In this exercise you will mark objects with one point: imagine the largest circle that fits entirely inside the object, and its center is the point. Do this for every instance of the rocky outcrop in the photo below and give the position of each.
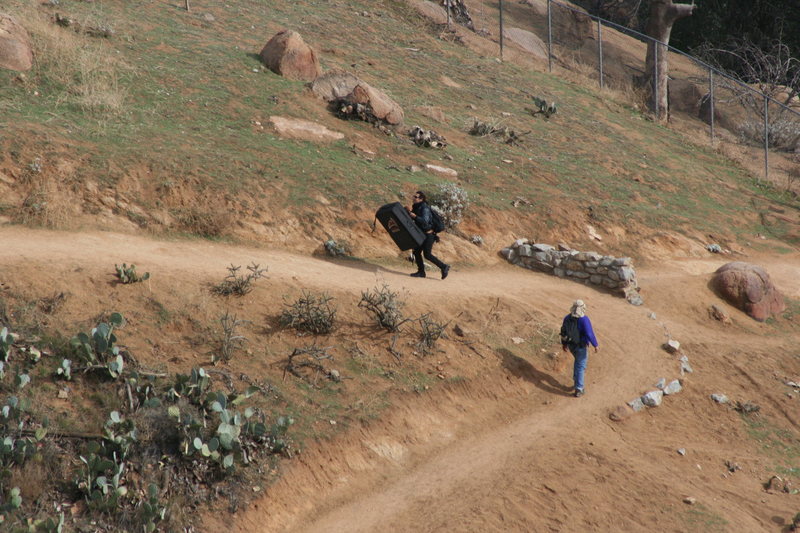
(16, 52)
(342, 86)
(749, 288)
(591, 268)
(288, 55)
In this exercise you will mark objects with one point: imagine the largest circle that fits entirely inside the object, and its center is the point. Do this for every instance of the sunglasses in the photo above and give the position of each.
(417, 196)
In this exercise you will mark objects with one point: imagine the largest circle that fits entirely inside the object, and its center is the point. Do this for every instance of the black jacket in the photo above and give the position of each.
(424, 218)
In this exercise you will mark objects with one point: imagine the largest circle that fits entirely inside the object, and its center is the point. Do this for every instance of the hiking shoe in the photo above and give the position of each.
(419, 274)
(445, 271)
(578, 393)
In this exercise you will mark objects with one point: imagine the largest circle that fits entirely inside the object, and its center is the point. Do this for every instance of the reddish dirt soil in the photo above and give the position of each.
(504, 447)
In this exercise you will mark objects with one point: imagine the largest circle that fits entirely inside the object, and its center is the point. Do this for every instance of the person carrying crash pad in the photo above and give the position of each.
(576, 335)
(422, 215)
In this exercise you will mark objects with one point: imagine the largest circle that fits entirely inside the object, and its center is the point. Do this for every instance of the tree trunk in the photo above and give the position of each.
(663, 14)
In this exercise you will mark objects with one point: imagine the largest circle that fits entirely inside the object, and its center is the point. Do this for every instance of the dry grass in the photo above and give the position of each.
(81, 69)
(48, 204)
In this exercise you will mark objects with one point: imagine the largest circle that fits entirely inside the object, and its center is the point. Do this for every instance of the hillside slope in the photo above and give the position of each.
(153, 146)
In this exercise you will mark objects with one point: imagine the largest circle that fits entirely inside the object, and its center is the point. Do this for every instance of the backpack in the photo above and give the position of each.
(570, 332)
(437, 224)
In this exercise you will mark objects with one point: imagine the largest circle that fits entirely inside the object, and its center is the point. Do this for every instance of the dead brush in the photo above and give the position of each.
(310, 313)
(87, 73)
(239, 284)
(207, 223)
(504, 133)
(430, 332)
(306, 363)
(385, 306)
(230, 341)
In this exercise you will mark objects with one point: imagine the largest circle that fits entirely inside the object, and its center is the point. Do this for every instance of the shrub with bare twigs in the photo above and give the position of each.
(385, 306)
(239, 284)
(230, 341)
(306, 363)
(310, 313)
(431, 331)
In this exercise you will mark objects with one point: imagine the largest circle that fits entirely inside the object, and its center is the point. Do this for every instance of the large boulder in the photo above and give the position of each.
(341, 85)
(16, 52)
(288, 55)
(528, 41)
(749, 288)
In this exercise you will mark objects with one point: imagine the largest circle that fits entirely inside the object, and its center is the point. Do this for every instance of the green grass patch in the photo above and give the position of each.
(779, 444)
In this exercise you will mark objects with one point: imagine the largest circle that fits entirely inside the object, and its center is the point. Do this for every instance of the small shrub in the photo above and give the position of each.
(127, 274)
(431, 331)
(230, 341)
(385, 306)
(451, 201)
(239, 284)
(308, 358)
(783, 134)
(543, 107)
(313, 314)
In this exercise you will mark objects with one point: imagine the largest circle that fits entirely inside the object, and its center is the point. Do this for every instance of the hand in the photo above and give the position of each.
(596, 349)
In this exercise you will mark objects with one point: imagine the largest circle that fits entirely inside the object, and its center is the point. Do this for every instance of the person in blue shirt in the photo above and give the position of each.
(420, 211)
(579, 350)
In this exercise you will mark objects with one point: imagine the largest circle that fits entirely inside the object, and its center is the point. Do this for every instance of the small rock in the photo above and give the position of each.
(732, 467)
(673, 387)
(414, 168)
(517, 340)
(637, 405)
(672, 346)
(442, 171)
(714, 248)
(775, 483)
(593, 233)
(685, 366)
(652, 316)
(621, 413)
(718, 313)
(720, 398)
(661, 384)
(458, 330)
(63, 394)
(652, 398)
(335, 376)
(682, 451)
(208, 17)
(690, 500)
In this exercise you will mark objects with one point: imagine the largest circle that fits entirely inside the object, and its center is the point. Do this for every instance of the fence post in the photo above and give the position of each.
(549, 37)
(501, 30)
(766, 137)
(448, 14)
(655, 78)
(711, 99)
(600, 50)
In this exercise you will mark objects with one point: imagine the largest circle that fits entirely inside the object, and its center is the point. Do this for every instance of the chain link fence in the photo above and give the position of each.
(762, 127)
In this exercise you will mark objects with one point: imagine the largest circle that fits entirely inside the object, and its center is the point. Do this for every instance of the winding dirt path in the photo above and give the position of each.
(512, 452)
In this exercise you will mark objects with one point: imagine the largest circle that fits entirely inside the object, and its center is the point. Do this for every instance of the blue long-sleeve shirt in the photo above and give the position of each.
(587, 333)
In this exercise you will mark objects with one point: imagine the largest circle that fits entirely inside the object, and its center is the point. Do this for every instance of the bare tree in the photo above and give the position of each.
(773, 72)
(663, 14)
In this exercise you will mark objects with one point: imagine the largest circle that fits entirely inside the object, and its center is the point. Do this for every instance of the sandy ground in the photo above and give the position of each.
(508, 449)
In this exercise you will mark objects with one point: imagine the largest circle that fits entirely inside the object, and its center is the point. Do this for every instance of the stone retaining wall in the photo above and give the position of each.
(613, 273)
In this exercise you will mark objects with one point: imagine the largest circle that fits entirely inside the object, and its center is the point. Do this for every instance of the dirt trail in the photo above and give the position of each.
(513, 452)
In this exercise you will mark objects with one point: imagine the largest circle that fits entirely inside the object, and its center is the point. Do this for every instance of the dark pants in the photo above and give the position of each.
(425, 249)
